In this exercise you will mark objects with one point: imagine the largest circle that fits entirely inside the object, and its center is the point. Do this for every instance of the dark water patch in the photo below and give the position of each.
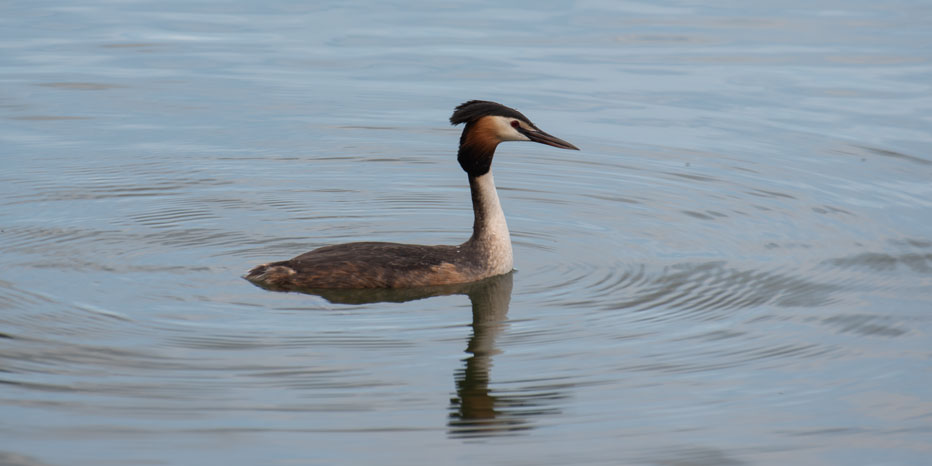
(864, 324)
(253, 342)
(370, 127)
(716, 335)
(129, 45)
(885, 262)
(694, 177)
(868, 151)
(768, 193)
(613, 198)
(8, 458)
(788, 246)
(913, 242)
(38, 387)
(827, 431)
(827, 209)
(50, 117)
(82, 86)
(707, 215)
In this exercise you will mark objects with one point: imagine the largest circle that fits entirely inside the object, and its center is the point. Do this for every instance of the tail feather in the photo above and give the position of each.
(271, 274)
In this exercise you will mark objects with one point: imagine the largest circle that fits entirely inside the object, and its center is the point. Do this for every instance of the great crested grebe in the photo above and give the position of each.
(392, 265)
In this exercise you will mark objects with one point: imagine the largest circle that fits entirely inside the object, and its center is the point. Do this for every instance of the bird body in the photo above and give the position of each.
(487, 253)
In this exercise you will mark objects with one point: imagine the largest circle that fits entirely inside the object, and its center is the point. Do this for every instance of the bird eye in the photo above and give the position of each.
(515, 124)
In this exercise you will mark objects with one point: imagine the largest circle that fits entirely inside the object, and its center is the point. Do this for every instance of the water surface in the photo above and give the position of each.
(736, 268)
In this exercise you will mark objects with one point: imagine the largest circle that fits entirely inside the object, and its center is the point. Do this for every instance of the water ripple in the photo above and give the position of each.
(698, 290)
(883, 262)
(252, 342)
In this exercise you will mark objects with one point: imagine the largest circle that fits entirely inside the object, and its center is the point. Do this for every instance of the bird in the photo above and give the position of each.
(487, 253)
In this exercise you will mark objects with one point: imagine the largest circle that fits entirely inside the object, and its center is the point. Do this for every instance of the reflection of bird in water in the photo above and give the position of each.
(487, 253)
(476, 410)
(474, 404)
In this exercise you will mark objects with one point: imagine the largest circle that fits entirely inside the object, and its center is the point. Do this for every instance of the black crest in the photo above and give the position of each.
(471, 111)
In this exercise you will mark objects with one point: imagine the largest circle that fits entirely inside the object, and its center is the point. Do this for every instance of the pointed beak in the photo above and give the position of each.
(544, 138)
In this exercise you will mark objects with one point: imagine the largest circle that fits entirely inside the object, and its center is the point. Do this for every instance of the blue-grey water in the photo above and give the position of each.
(735, 269)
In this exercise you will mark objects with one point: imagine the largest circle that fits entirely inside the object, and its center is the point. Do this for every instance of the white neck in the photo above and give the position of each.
(490, 231)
